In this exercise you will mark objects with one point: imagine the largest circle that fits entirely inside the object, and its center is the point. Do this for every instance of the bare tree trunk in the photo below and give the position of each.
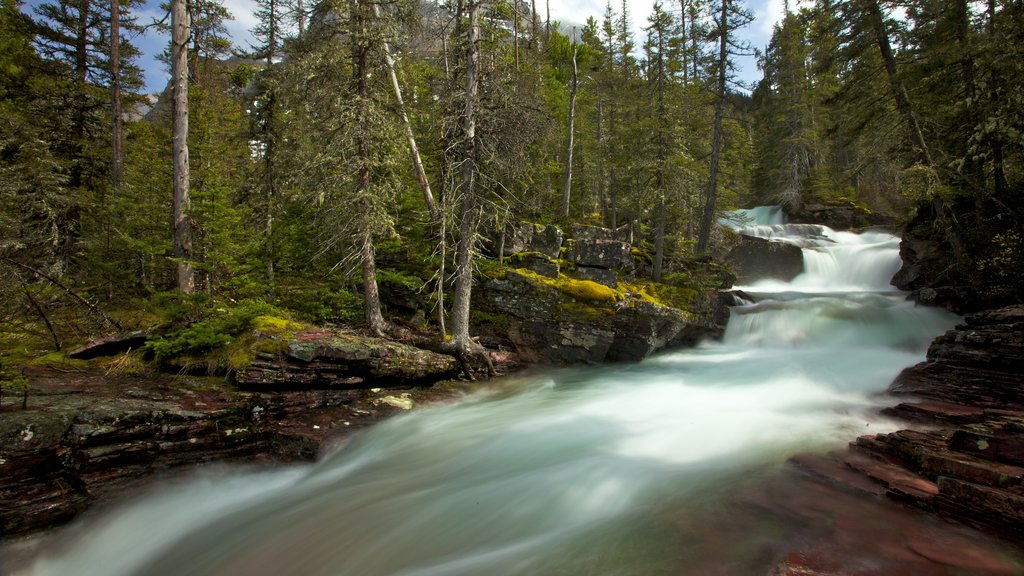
(547, 22)
(179, 73)
(117, 119)
(515, 31)
(461, 344)
(708, 216)
(533, 24)
(567, 188)
(468, 213)
(414, 152)
(360, 51)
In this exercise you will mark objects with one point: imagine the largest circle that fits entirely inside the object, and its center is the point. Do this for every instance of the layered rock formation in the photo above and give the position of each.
(964, 456)
(87, 436)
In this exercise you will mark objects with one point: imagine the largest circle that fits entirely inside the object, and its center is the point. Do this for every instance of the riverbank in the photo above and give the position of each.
(961, 456)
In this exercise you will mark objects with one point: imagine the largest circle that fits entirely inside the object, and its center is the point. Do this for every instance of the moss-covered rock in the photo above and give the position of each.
(320, 359)
(571, 321)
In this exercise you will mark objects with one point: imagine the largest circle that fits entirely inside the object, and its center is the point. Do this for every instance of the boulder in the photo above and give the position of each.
(524, 237)
(840, 216)
(325, 360)
(547, 240)
(759, 259)
(600, 275)
(542, 266)
(601, 253)
(568, 321)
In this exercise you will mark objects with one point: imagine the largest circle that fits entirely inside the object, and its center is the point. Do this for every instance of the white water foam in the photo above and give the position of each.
(572, 474)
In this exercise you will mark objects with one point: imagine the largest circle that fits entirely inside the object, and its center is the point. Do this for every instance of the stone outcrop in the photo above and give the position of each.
(840, 216)
(324, 360)
(570, 321)
(524, 237)
(759, 259)
(89, 436)
(966, 462)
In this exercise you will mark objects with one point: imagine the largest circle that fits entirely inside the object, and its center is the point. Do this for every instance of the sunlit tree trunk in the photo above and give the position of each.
(567, 188)
(179, 73)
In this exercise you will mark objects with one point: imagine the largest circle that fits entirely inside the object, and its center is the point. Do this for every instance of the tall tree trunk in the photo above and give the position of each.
(659, 236)
(567, 188)
(414, 152)
(461, 343)
(360, 50)
(515, 31)
(533, 24)
(708, 216)
(179, 73)
(117, 119)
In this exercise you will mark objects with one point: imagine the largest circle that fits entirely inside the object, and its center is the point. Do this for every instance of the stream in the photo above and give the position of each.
(675, 465)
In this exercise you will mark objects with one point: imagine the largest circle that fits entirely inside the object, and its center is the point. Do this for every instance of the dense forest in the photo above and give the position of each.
(362, 148)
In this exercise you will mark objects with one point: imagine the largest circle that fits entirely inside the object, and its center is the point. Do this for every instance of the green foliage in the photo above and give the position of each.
(13, 381)
(214, 331)
(324, 305)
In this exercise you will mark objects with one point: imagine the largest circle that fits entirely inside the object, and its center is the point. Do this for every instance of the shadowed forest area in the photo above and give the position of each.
(344, 170)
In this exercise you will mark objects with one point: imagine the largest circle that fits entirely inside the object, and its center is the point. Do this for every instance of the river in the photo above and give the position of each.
(675, 465)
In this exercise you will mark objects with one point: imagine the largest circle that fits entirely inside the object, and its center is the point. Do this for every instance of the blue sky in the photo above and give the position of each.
(766, 14)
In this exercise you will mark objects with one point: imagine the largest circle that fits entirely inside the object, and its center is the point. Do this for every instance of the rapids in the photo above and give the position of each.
(616, 470)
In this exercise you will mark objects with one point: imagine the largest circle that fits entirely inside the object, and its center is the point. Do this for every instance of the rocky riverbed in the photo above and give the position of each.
(961, 456)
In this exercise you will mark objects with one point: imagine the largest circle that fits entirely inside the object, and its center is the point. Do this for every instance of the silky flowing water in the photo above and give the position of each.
(641, 469)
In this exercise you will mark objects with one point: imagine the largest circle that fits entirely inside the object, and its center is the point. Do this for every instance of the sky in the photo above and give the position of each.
(570, 12)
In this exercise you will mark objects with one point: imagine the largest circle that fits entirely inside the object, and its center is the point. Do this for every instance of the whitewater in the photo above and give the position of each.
(613, 470)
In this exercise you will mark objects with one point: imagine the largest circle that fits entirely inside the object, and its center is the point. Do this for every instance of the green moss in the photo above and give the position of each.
(581, 311)
(480, 318)
(56, 360)
(518, 258)
(583, 290)
(639, 254)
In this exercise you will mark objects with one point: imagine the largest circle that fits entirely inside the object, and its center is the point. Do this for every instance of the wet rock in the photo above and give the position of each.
(758, 259)
(110, 346)
(968, 464)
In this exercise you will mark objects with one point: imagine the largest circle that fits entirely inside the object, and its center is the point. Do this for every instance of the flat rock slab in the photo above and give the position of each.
(109, 346)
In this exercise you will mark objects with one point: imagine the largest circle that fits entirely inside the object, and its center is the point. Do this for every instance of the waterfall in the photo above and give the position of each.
(605, 471)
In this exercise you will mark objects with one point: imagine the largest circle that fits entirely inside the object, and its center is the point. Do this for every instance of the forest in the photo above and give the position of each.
(362, 148)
